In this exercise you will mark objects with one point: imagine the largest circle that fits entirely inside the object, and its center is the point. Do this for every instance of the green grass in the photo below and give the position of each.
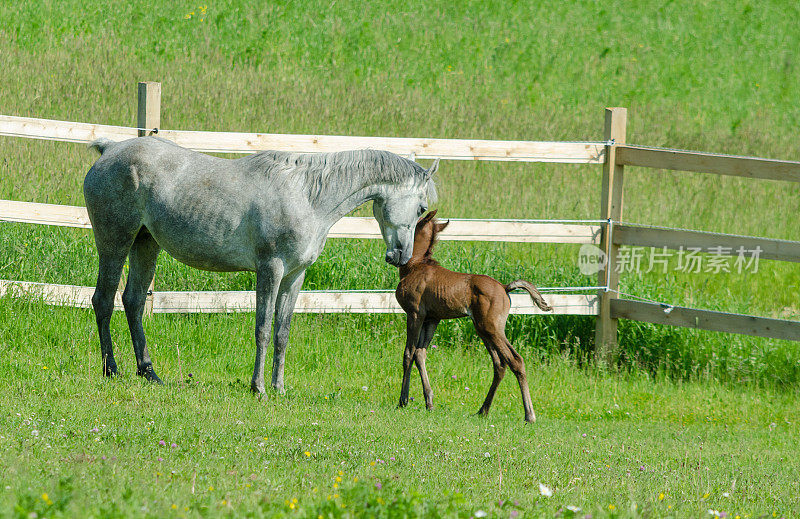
(643, 437)
(708, 75)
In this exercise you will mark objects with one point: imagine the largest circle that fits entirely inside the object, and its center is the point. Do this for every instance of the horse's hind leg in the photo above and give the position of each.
(142, 259)
(103, 303)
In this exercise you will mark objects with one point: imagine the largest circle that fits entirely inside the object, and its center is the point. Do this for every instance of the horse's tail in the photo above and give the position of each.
(528, 287)
(100, 144)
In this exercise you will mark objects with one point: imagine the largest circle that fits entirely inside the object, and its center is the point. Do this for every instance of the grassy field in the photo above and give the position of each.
(690, 415)
(608, 444)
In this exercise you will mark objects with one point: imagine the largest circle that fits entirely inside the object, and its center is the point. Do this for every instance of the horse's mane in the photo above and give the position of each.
(321, 173)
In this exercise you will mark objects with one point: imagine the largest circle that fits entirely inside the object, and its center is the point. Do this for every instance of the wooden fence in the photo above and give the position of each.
(609, 232)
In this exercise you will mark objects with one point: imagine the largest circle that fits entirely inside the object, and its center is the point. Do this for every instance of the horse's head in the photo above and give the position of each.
(397, 213)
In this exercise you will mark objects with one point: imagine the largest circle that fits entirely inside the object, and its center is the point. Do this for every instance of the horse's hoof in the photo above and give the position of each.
(530, 419)
(150, 375)
(109, 367)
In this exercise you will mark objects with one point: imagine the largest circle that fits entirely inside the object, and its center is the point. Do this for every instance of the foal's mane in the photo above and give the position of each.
(428, 256)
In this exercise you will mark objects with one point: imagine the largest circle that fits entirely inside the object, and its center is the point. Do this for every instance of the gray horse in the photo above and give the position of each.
(267, 213)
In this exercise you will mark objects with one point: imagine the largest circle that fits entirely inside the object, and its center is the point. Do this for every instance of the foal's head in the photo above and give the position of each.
(425, 234)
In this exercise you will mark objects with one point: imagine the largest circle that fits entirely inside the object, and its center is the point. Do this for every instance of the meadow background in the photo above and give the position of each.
(689, 421)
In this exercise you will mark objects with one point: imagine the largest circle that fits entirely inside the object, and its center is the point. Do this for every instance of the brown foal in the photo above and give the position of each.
(429, 293)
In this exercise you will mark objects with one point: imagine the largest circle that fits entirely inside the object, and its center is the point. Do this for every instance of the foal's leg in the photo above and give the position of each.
(499, 373)
(413, 326)
(425, 336)
(517, 365)
(268, 278)
(103, 303)
(142, 267)
(287, 298)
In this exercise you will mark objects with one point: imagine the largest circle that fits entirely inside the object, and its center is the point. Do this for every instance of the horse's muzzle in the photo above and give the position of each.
(395, 257)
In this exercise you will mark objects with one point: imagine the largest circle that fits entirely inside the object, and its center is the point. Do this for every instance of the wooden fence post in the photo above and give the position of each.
(148, 118)
(605, 338)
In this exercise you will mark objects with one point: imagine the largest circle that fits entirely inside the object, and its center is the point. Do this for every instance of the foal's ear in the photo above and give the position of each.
(429, 216)
(432, 170)
(441, 226)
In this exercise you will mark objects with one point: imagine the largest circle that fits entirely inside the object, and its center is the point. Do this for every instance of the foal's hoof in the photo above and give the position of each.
(530, 419)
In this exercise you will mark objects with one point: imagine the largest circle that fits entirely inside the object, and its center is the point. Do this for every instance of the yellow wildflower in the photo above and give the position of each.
(46, 499)
(308, 454)
(661, 496)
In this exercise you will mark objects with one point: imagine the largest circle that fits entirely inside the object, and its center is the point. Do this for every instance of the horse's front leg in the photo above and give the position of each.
(413, 327)
(268, 278)
(287, 297)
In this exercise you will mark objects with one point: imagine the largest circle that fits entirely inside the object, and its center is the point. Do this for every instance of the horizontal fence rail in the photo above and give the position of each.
(750, 167)
(350, 227)
(614, 154)
(328, 301)
(705, 319)
(231, 142)
(717, 243)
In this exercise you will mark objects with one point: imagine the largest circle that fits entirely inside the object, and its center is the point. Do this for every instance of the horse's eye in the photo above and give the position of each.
(422, 210)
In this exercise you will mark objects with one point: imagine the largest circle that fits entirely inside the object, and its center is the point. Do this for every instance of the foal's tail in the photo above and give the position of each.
(528, 287)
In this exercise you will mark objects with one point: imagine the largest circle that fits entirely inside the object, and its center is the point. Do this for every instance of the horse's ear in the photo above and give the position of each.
(432, 170)
(441, 226)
